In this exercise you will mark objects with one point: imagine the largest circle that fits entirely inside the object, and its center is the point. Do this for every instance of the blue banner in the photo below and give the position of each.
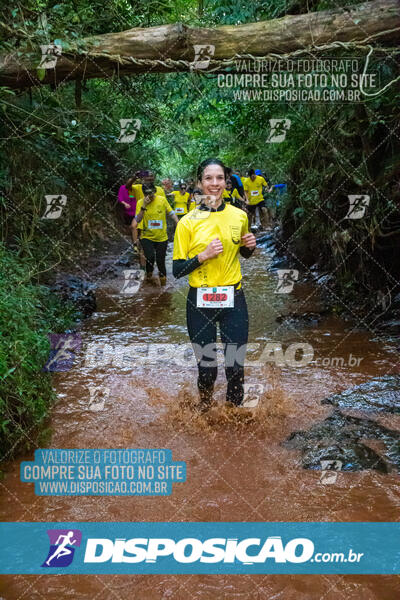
(209, 548)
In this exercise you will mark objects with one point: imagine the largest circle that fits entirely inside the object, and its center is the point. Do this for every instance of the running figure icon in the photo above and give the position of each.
(62, 549)
(63, 543)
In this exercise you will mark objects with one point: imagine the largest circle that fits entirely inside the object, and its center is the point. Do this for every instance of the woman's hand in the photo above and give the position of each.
(213, 249)
(126, 204)
(249, 240)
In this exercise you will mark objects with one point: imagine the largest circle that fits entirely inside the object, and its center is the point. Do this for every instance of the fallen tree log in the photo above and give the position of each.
(169, 48)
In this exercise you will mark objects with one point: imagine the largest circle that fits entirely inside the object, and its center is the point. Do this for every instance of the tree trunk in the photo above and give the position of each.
(115, 53)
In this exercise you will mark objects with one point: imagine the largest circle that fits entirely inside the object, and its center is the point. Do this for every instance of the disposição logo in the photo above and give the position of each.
(62, 547)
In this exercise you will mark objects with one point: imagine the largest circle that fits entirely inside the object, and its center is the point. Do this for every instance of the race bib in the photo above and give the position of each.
(180, 210)
(215, 297)
(155, 224)
(254, 193)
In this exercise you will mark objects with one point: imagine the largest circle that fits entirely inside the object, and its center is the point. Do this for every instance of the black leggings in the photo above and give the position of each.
(234, 329)
(155, 250)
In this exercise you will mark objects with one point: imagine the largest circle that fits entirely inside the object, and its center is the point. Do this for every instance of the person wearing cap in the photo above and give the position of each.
(253, 188)
(151, 217)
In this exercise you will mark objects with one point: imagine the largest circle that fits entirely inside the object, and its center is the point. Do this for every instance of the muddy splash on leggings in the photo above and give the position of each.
(272, 406)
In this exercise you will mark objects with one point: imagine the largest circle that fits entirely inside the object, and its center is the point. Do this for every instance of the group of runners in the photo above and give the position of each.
(213, 220)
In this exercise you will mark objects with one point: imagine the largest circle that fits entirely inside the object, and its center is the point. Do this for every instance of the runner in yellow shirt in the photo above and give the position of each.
(253, 189)
(151, 216)
(136, 190)
(195, 198)
(232, 196)
(207, 245)
(181, 200)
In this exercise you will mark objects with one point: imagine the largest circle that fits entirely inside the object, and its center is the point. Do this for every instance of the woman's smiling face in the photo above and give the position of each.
(213, 181)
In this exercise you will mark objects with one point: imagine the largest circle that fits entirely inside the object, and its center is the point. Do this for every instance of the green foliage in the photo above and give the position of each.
(45, 21)
(236, 12)
(55, 149)
(28, 313)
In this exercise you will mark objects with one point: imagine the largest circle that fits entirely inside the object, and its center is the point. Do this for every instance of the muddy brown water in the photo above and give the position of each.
(236, 471)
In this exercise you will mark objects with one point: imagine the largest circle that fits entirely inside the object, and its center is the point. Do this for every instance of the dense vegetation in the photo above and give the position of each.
(64, 141)
(28, 312)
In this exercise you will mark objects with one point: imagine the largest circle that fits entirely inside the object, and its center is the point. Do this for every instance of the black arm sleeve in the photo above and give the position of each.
(246, 252)
(183, 267)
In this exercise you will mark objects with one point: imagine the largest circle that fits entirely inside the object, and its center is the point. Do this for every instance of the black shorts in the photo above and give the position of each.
(252, 207)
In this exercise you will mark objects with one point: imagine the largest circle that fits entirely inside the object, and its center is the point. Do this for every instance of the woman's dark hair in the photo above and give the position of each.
(129, 182)
(252, 172)
(207, 163)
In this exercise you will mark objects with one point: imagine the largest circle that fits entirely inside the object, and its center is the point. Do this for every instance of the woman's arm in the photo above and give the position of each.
(246, 252)
(140, 214)
(173, 217)
(182, 267)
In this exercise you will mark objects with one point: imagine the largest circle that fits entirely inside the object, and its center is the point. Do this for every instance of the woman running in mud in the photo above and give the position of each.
(207, 245)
